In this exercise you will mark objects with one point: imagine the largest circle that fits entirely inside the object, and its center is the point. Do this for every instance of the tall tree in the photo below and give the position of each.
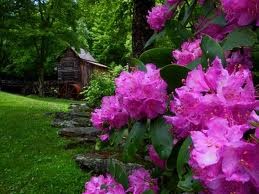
(42, 29)
(140, 29)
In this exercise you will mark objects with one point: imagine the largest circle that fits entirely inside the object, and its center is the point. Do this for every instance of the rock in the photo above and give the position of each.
(99, 163)
(88, 133)
(59, 123)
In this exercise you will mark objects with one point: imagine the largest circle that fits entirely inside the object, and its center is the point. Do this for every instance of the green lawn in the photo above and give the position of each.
(32, 156)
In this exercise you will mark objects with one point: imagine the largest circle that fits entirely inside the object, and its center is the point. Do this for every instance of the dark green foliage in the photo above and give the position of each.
(174, 75)
(134, 141)
(161, 137)
(243, 37)
(101, 84)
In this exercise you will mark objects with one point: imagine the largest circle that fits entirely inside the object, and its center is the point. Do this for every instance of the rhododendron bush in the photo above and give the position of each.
(187, 113)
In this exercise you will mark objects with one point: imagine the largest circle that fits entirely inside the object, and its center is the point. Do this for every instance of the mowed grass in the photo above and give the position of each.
(32, 156)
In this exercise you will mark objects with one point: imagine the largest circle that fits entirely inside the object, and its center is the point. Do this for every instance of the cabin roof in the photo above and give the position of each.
(83, 54)
(86, 56)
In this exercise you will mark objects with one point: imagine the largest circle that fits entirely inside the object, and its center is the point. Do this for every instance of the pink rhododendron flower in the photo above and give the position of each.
(220, 155)
(103, 185)
(214, 93)
(140, 181)
(144, 93)
(104, 137)
(241, 59)
(217, 32)
(208, 143)
(154, 157)
(244, 12)
(110, 115)
(188, 53)
(158, 16)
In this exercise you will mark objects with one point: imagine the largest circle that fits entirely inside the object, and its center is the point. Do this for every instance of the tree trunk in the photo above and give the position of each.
(41, 80)
(140, 29)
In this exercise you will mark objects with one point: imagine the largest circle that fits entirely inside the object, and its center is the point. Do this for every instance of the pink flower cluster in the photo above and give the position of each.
(244, 12)
(215, 107)
(190, 51)
(158, 16)
(154, 157)
(140, 181)
(110, 115)
(214, 93)
(103, 185)
(223, 160)
(144, 93)
(138, 95)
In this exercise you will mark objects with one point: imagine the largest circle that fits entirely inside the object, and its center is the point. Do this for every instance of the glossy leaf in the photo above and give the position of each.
(212, 49)
(161, 137)
(243, 37)
(183, 157)
(138, 64)
(174, 75)
(158, 56)
(118, 172)
(134, 141)
(188, 184)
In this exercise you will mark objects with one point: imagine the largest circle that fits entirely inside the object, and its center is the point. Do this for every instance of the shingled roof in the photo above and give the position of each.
(85, 55)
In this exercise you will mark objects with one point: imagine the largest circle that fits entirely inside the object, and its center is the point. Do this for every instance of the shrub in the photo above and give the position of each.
(101, 84)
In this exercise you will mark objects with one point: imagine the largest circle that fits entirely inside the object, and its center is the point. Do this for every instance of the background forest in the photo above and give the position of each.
(34, 33)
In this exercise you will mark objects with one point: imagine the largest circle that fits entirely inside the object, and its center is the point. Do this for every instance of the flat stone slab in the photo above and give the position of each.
(79, 132)
(99, 163)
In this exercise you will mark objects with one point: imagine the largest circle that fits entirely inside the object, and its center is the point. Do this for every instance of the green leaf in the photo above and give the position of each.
(188, 12)
(172, 160)
(118, 172)
(219, 20)
(134, 141)
(161, 137)
(188, 184)
(138, 64)
(194, 64)
(158, 56)
(211, 49)
(117, 137)
(183, 157)
(153, 38)
(242, 37)
(149, 192)
(173, 75)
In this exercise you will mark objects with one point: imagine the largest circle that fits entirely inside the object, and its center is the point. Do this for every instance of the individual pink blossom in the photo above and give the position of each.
(214, 93)
(154, 157)
(140, 181)
(158, 16)
(144, 93)
(188, 53)
(208, 144)
(241, 59)
(103, 185)
(242, 11)
(110, 115)
(204, 26)
(104, 137)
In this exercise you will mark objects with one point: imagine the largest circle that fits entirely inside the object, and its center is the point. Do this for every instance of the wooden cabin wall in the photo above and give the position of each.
(69, 67)
(86, 72)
